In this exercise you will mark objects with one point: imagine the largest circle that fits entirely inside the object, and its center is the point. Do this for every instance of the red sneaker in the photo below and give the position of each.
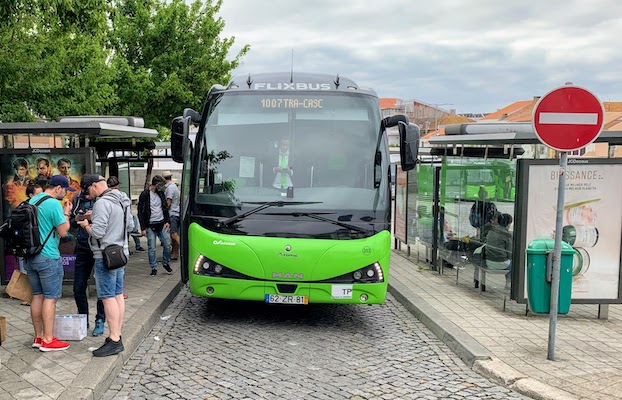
(54, 345)
(37, 343)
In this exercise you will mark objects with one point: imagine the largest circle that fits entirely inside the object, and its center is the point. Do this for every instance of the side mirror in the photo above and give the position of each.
(194, 116)
(394, 120)
(179, 137)
(409, 145)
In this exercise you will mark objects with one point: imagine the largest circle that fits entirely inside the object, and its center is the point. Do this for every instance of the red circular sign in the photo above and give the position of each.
(568, 118)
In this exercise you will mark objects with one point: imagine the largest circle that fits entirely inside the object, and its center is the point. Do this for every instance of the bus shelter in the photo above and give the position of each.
(67, 147)
(444, 208)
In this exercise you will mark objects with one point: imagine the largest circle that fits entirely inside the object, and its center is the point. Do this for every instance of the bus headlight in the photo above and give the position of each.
(200, 263)
(371, 273)
(208, 267)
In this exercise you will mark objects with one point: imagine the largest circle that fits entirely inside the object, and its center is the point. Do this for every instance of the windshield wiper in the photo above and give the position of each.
(263, 206)
(332, 221)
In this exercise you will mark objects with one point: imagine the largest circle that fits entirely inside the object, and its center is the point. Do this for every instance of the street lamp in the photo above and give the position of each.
(436, 113)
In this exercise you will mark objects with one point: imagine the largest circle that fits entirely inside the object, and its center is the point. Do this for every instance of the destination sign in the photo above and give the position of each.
(292, 103)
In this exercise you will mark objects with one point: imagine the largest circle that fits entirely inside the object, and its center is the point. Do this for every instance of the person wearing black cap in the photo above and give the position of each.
(82, 208)
(111, 220)
(154, 221)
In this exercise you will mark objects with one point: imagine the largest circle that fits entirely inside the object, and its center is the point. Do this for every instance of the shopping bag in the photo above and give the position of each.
(19, 286)
(70, 326)
(2, 329)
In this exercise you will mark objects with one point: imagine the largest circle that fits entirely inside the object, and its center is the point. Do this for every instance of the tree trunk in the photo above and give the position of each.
(149, 171)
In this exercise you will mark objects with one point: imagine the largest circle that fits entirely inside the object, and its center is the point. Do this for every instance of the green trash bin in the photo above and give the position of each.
(538, 289)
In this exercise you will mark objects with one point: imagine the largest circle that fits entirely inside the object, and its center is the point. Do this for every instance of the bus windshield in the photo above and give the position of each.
(314, 148)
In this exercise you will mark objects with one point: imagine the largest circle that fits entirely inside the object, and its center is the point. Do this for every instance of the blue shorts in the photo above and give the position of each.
(174, 224)
(45, 276)
(109, 283)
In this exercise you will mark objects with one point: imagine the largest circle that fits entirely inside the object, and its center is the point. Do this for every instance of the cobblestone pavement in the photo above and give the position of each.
(208, 349)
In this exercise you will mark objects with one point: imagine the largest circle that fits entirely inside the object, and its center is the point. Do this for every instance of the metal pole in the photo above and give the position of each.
(557, 254)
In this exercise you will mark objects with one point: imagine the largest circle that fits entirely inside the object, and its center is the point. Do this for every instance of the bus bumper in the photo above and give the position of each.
(364, 293)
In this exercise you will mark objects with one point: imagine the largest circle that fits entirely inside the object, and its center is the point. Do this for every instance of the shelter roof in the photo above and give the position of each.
(503, 133)
(80, 127)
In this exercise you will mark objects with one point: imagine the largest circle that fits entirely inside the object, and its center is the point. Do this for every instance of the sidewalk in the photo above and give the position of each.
(27, 373)
(508, 346)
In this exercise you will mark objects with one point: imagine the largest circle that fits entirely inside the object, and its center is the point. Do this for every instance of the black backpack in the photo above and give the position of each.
(21, 230)
(482, 212)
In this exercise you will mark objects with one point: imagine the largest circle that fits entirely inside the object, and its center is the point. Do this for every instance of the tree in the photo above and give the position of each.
(167, 56)
(52, 59)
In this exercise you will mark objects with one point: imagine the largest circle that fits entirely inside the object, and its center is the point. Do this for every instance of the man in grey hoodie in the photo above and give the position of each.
(111, 220)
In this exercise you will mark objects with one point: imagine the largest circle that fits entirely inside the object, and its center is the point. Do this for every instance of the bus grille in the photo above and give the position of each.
(286, 288)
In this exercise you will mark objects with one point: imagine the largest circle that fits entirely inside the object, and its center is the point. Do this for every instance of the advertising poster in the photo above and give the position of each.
(19, 168)
(592, 221)
(401, 178)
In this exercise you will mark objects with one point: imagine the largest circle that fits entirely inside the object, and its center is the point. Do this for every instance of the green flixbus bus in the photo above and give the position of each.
(286, 190)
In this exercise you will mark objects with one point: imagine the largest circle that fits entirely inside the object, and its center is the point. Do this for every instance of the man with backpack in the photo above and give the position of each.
(45, 269)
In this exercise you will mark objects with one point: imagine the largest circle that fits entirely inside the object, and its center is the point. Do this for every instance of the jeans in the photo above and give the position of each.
(136, 230)
(45, 276)
(151, 242)
(22, 265)
(81, 275)
(109, 282)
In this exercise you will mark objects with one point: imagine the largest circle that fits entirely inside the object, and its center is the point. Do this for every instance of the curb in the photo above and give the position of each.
(465, 347)
(99, 373)
(475, 355)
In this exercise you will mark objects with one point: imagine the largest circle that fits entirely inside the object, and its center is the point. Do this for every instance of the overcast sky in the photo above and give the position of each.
(478, 55)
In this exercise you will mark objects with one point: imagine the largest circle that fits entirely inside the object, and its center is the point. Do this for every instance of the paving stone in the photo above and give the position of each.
(238, 350)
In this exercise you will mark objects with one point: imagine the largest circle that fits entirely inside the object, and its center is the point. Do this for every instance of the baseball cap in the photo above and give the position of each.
(113, 181)
(62, 181)
(88, 180)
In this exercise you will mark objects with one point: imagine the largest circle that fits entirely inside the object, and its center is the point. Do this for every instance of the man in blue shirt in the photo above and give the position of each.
(45, 270)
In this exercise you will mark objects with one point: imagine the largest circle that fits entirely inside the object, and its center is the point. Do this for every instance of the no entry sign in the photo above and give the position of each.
(568, 118)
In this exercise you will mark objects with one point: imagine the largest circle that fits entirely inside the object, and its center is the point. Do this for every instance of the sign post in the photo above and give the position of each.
(565, 119)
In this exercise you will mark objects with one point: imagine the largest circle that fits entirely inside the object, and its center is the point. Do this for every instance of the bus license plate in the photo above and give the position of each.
(281, 299)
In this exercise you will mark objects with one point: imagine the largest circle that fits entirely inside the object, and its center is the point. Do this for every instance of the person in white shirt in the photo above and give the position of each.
(171, 194)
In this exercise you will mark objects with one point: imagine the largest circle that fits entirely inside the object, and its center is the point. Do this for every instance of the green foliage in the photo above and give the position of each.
(174, 48)
(148, 58)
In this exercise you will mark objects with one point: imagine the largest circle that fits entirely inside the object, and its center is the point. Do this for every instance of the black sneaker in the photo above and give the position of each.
(167, 268)
(154, 272)
(109, 348)
(140, 249)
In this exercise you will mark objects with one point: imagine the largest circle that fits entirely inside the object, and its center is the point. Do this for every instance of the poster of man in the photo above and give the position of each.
(44, 169)
(21, 168)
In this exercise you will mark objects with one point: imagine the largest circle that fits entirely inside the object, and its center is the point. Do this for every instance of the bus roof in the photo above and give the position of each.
(298, 81)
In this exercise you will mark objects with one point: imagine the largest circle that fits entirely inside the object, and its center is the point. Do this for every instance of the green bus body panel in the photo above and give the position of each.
(260, 257)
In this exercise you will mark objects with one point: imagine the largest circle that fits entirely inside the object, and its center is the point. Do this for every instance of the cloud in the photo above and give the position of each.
(478, 56)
